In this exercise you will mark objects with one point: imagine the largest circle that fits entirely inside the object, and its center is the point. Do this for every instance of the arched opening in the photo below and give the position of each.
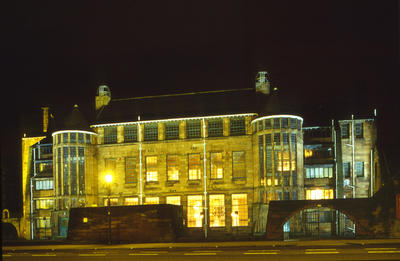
(319, 222)
(8, 231)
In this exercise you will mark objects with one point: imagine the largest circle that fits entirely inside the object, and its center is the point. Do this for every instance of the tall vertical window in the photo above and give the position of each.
(173, 200)
(193, 129)
(172, 130)
(239, 210)
(195, 211)
(150, 131)
(359, 166)
(293, 149)
(59, 172)
(65, 138)
(268, 154)
(130, 170)
(268, 124)
(194, 167)
(217, 210)
(237, 126)
(110, 135)
(152, 201)
(261, 155)
(73, 137)
(73, 171)
(130, 133)
(215, 128)
(359, 130)
(151, 169)
(346, 169)
(172, 167)
(88, 139)
(80, 138)
(345, 130)
(293, 124)
(66, 170)
(238, 164)
(277, 123)
(260, 126)
(216, 165)
(285, 123)
(131, 201)
(81, 169)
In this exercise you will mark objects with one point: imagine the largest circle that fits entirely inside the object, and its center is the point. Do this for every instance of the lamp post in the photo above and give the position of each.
(108, 179)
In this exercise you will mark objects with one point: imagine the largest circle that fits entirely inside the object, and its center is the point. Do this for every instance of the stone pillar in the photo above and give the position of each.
(120, 134)
(161, 131)
(182, 130)
(225, 126)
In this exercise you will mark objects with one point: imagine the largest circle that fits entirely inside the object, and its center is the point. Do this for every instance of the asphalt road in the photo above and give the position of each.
(240, 251)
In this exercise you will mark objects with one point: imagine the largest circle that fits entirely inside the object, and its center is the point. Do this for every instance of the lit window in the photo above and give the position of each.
(173, 200)
(216, 165)
(113, 201)
(316, 194)
(151, 201)
(151, 169)
(131, 201)
(194, 167)
(269, 182)
(239, 164)
(308, 153)
(43, 222)
(239, 210)
(217, 210)
(44, 204)
(172, 168)
(46, 184)
(195, 211)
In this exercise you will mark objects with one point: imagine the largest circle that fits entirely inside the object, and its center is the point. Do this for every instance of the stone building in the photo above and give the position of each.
(221, 155)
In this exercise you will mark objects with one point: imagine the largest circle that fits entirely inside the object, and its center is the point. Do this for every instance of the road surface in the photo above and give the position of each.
(301, 250)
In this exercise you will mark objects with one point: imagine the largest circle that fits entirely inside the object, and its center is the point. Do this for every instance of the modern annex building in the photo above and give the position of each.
(221, 155)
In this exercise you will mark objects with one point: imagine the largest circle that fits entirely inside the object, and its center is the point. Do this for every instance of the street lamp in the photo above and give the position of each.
(109, 179)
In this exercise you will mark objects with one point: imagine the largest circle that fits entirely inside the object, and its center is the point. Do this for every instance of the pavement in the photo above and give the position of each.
(208, 245)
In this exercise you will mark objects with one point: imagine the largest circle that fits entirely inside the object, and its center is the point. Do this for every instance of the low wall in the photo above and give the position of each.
(146, 223)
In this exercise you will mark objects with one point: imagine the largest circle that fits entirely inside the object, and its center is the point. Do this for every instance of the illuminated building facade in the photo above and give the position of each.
(221, 155)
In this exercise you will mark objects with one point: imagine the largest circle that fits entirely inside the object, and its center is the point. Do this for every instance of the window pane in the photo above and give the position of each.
(130, 170)
(172, 168)
(359, 130)
(277, 123)
(239, 164)
(151, 168)
(216, 165)
(130, 133)
(195, 211)
(133, 201)
(359, 169)
(215, 128)
(110, 135)
(239, 210)
(151, 201)
(217, 210)
(194, 167)
(174, 200)
(151, 131)
(172, 130)
(193, 129)
(237, 126)
(345, 130)
(113, 201)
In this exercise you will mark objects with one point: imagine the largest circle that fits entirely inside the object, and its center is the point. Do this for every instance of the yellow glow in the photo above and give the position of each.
(85, 220)
(108, 178)
(316, 194)
(269, 182)
(308, 153)
(286, 161)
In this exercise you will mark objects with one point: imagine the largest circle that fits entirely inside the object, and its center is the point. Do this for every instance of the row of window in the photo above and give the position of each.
(277, 123)
(359, 169)
(44, 204)
(280, 180)
(358, 130)
(278, 195)
(316, 194)
(175, 165)
(72, 137)
(237, 126)
(195, 210)
(319, 172)
(45, 184)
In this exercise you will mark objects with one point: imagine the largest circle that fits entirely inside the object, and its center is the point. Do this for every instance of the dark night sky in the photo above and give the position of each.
(332, 58)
